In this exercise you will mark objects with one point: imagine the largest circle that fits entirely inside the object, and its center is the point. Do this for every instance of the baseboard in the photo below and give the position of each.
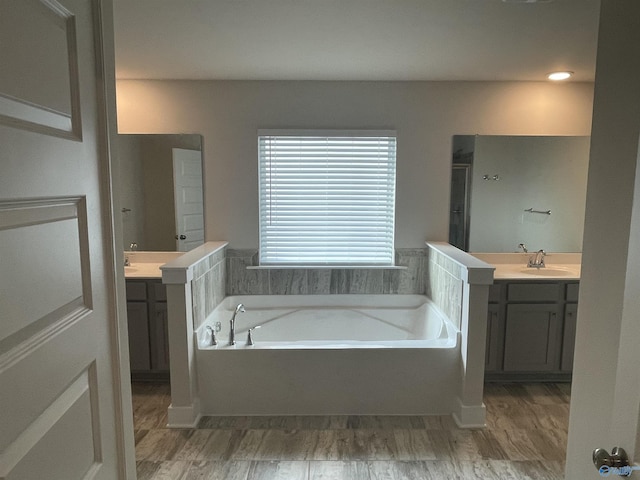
(535, 377)
(184, 417)
(473, 416)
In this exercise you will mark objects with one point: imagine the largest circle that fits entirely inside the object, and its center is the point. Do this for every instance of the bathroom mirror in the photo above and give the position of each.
(161, 191)
(508, 190)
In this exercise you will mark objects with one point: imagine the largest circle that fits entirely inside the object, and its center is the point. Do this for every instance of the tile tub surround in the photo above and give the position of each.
(321, 281)
(208, 286)
(525, 439)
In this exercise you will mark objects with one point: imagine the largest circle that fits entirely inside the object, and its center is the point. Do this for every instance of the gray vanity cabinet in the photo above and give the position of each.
(531, 330)
(568, 339)
(138, 315)
(159, 337)
(148, 329)
(495, 339)
(532, 338)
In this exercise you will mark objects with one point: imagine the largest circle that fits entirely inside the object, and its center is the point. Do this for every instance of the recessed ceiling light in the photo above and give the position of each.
(559, 75)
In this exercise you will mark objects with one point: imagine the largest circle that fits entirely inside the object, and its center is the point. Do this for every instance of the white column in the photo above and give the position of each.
(471, 412)
(185, 405)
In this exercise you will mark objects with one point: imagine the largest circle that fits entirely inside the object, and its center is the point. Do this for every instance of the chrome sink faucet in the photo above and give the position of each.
(537, 260)
(232, 331)
(132, 248)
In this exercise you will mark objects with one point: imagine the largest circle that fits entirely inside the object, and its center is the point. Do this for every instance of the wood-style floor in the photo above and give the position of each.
(525, 438)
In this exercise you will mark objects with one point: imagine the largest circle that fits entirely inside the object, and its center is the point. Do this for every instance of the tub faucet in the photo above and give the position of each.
(537, 260)
(232, 331)
(522, 247)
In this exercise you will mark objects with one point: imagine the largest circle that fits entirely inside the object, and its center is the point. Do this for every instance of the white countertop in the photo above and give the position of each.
(509, 271)
(147, 264)
(143, 270)
(513, 266)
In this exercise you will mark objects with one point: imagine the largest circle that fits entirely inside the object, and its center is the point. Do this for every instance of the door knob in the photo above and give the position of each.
(601, 458)
(181, 237)
(617, 463)
(619, 457)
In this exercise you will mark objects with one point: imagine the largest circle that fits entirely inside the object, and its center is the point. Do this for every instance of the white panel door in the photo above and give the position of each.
(187, 182)
(58, 363)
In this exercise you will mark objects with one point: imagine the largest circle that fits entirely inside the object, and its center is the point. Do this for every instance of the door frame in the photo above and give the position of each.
(466, 214)
(105, 61)
(605, 401)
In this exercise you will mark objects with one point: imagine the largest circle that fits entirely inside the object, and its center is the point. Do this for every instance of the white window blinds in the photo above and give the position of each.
(327, 199)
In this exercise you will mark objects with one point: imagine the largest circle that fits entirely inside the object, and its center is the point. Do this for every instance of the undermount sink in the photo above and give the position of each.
(546, 272)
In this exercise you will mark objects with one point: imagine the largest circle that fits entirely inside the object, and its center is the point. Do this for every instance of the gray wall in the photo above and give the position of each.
(426, 115)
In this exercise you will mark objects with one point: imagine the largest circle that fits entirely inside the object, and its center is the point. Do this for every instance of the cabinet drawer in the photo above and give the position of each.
(572, 292)
(160, 292)
(136, 291)
(533, 292)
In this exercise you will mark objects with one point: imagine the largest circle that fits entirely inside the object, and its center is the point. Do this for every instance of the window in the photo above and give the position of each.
(327, 199)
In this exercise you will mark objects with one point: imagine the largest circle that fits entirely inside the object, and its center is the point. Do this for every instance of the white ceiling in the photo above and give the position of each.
(354, 39)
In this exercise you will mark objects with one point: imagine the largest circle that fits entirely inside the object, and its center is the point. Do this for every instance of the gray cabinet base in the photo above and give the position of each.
(531, 331)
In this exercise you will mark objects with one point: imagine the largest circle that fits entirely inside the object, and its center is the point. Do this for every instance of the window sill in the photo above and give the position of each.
(326, 267)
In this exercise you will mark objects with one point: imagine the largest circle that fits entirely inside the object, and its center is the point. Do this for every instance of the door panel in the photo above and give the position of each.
(39, 41)
(60, 418)
(51, 452)
(47, 236)
(531, 338)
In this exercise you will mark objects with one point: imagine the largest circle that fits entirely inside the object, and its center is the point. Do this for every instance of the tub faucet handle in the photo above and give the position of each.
(249, 337)
(212, 331)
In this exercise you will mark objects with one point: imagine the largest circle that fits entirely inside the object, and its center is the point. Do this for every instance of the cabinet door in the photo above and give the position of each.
(493, 353)
(532, 338)
(569, 337)
(160, 337)
(138, 336)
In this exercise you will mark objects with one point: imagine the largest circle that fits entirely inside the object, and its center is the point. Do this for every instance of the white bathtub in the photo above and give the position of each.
(331, 321)
(330, 355)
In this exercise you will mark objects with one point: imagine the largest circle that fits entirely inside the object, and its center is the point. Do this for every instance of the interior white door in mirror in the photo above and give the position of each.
(60, 405)
(187, 179)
